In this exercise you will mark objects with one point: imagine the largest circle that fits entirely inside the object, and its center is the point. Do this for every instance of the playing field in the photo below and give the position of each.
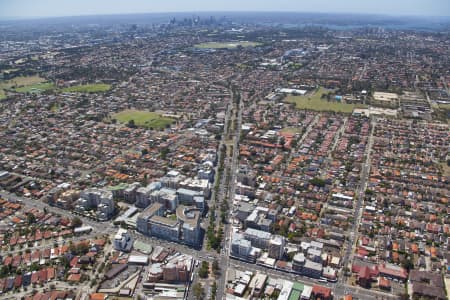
(19, 84)
(87, 88)
(21, 81)
(314, 102)
(444, 106)
(36, 88)
(226, 45)
(143, 118)
(290, 130)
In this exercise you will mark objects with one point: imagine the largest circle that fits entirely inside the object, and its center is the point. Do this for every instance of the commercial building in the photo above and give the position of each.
(164, 228)
(165, 196)
(156, 209)
(306, 293)
(172, 180)
(257, 284)
(276, 246)
(258, 238)
(123, 241)
(138, 260)
(129, 194)
(175, 272)
(118, 190)
(99, 200)
(199, 202)
(200, 185)
(298, 262)
(312, 269)
(143, 194)
(189, 219)
(206, 171)
(177, 269)
(243, 210)
(184, 228)
(186, 196)
(242, 249)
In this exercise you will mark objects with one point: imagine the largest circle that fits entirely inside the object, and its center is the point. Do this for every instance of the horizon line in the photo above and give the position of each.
(17, 18)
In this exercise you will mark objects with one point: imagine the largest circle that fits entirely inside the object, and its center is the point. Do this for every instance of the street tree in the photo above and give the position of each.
(215, 266)
(198, 291)
(76, 222)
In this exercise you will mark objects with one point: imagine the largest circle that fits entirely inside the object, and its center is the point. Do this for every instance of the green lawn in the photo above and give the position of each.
(226, 45)
(444, 106)
(87, 88)
(314, 102)
(143, 118)
(21, 81)
(291, 130)
(38, 87)
(21, 84)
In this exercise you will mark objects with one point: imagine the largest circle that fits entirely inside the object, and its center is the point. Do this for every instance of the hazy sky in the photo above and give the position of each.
(45, 8)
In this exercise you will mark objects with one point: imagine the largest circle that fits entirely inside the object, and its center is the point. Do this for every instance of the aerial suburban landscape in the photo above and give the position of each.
(232, 155)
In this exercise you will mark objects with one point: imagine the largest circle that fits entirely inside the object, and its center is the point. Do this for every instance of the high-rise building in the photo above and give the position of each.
(276, 246)
(258, 238)
(185, 228)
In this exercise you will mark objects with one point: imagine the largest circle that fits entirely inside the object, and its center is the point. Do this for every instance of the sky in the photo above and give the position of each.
(53, 8)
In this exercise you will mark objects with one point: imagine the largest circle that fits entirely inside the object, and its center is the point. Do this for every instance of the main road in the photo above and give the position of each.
(224, 262)
(100, 227)
(353, 232)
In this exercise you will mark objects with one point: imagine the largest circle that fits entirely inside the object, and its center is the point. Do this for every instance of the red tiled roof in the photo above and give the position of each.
(34, 277)
(383, 282)
(364, 273)
(97, 296)
(397, 272)
(74, 261)
(321, 290)
(74, 277)
(50, 273)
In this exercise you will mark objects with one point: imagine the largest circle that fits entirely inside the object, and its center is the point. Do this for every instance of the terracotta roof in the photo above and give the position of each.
(98, 296)
(321, 290)
(364, 273)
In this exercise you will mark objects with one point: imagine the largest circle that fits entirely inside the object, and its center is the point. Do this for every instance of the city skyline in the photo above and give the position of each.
(53, 8)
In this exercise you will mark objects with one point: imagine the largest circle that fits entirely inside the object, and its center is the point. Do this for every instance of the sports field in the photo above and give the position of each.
(444, 106)
(316, 103)
(291, 130)
(19, 84)
(142, 118)
(226, 45)
(87, 88)
(39, 87)
(21, 81)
